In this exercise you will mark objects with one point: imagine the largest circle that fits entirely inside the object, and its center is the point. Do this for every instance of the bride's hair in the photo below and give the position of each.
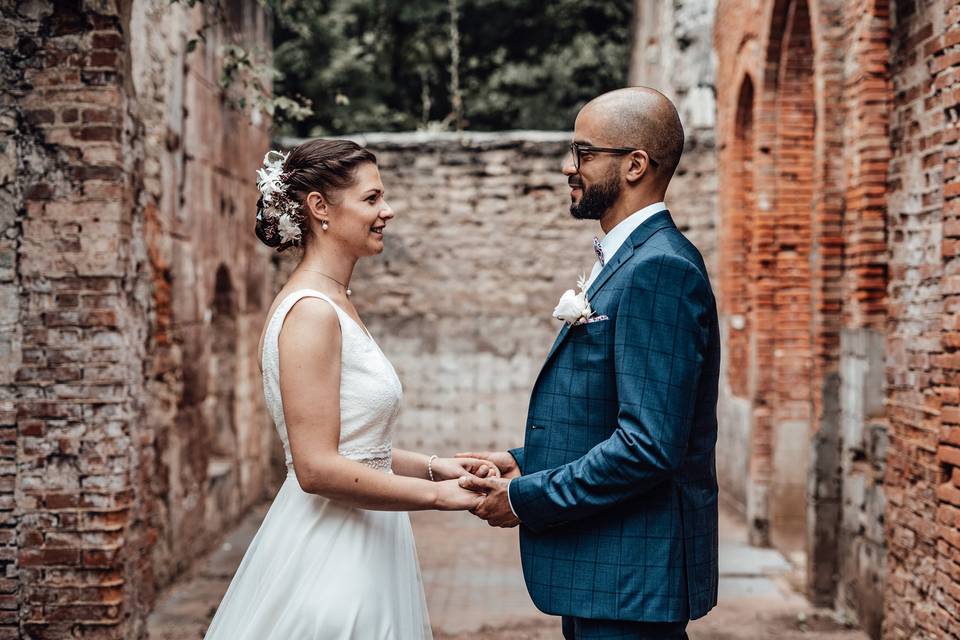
(320, 165)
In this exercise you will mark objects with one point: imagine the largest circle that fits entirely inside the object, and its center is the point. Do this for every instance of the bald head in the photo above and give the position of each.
(642, 118)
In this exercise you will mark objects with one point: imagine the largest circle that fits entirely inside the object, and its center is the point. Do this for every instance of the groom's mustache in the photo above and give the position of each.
(575, 184)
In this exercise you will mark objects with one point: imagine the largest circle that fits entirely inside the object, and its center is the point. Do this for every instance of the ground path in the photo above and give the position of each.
(475, 589)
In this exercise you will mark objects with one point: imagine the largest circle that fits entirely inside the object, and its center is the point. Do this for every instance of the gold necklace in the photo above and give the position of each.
(349, 292)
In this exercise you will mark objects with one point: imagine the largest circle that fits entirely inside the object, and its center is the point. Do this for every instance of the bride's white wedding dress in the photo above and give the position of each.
(318, 569)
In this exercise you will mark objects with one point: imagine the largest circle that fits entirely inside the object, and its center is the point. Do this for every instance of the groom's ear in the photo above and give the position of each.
(639, 165)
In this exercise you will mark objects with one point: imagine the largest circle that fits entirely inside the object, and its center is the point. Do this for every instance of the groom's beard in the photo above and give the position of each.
(597, 198)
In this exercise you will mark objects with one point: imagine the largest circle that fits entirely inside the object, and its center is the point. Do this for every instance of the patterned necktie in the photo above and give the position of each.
(598, 249)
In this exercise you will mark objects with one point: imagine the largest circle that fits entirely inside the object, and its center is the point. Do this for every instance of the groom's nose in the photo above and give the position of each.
(568, 169)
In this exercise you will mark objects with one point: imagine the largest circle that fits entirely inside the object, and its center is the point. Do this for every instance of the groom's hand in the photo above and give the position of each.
(502, 459)
(495, 508)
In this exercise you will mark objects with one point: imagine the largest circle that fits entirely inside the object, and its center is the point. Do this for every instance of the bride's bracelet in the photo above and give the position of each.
(430, 466)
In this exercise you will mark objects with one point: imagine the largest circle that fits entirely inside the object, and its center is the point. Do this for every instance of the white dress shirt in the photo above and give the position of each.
(610, 244)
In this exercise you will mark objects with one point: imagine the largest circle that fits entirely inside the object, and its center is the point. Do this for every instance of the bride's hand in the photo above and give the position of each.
(453, 468)
(452, 497)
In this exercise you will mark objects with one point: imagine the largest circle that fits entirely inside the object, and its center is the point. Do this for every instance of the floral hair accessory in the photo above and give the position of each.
(278, 210)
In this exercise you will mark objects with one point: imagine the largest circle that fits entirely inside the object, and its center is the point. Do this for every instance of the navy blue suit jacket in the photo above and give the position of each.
(618, 489)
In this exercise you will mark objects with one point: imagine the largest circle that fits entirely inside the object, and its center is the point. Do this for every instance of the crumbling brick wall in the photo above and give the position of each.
(96, 231)
(882, 501)
(923, 514)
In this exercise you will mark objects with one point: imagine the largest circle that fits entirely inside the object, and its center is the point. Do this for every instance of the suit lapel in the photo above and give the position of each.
(642, 233)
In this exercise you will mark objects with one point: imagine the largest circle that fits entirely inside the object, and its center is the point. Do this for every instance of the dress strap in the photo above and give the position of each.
(272, 337)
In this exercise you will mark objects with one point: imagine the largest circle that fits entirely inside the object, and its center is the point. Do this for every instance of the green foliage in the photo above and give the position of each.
(384, 65)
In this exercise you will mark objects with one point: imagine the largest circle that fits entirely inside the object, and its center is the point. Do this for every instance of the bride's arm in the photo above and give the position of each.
(413, 464)
(309, 347)
(410, 463)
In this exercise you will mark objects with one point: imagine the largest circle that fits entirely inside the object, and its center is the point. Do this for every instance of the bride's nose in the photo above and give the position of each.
(387, 212)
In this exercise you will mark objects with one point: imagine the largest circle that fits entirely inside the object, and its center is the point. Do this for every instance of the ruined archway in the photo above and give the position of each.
(783, 306)
(736, 282)
(220, 405)
(739, 232)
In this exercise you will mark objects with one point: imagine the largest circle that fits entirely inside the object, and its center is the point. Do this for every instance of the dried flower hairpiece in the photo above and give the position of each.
(281, 211)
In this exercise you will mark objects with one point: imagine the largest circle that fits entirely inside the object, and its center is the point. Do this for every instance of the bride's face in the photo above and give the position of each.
(360, 214)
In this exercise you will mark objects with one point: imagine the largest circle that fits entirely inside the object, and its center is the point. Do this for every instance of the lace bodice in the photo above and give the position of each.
(370, 391)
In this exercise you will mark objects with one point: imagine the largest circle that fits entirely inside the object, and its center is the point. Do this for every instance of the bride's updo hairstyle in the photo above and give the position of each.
(326, 166)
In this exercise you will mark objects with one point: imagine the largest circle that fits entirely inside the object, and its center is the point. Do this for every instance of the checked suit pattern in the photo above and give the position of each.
(618, 492)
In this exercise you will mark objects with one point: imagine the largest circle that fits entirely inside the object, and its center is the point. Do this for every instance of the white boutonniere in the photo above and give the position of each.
(574, 308)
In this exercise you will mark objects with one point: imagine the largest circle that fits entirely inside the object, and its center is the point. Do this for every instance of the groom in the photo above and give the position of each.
(615, 488)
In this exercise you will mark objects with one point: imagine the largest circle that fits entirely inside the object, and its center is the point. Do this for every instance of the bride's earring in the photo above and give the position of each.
(324, 225)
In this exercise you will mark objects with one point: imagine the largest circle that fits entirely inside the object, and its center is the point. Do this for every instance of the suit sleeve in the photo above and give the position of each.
(518, 456)
(661, 336)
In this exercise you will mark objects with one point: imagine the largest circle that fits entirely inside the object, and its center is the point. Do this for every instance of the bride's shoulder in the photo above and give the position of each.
(310, 332)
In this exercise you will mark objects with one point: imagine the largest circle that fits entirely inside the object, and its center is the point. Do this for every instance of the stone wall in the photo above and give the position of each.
(118, 178)
(673, 52)
(210, 280)
(481, 249)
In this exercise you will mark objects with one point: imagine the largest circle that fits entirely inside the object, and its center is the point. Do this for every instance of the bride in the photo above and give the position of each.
(334, 557)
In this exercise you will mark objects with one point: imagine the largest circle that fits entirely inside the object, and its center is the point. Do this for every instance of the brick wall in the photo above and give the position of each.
(92, 342)
(867, 182)
(922, 589)
(210, 281)
(945, 64)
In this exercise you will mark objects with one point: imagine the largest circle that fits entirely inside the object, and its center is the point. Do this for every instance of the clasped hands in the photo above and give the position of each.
(490, 473)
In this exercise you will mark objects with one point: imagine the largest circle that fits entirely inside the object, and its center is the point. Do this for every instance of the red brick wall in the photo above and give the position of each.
(921, 369)
(85, 486)
(737, 237)
(815, 272)
(69, 573)
(866, 155)
(945, 65)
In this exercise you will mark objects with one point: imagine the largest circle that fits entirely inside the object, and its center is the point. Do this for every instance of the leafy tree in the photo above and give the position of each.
(384, 65)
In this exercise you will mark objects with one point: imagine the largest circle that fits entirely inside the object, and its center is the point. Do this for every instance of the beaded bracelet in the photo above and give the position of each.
(430, 466)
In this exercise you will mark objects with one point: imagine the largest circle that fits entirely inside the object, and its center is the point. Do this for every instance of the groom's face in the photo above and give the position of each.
(595, 184)
(596, 198)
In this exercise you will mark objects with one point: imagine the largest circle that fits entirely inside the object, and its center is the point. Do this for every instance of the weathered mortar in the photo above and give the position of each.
(116, 195)
(882, 499)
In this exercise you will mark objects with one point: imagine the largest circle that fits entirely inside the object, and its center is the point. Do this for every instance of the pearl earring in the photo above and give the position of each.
(324, 225)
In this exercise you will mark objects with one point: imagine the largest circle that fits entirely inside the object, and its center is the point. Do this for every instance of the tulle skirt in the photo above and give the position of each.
(320, 570)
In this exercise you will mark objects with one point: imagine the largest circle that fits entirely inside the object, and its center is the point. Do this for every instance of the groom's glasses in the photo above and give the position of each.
(576, 149)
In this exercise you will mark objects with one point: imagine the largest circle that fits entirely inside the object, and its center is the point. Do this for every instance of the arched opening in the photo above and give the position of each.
(782, 312)
(739, 223)
(220, 406)
(736, 277)
(223, 369)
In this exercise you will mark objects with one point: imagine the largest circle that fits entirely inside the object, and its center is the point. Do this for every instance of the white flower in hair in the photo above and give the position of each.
(277, 204)
(288, 229)
(268, 186)
(270, 177)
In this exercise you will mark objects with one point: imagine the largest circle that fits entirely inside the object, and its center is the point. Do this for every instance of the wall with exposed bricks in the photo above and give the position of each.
(838, 128)
(128, 434)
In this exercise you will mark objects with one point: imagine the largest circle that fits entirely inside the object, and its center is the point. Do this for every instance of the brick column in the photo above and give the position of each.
(946, 85)
(919, 372)
(81, 343)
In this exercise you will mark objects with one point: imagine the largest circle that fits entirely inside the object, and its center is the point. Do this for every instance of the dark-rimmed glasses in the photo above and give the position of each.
(576, 149)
